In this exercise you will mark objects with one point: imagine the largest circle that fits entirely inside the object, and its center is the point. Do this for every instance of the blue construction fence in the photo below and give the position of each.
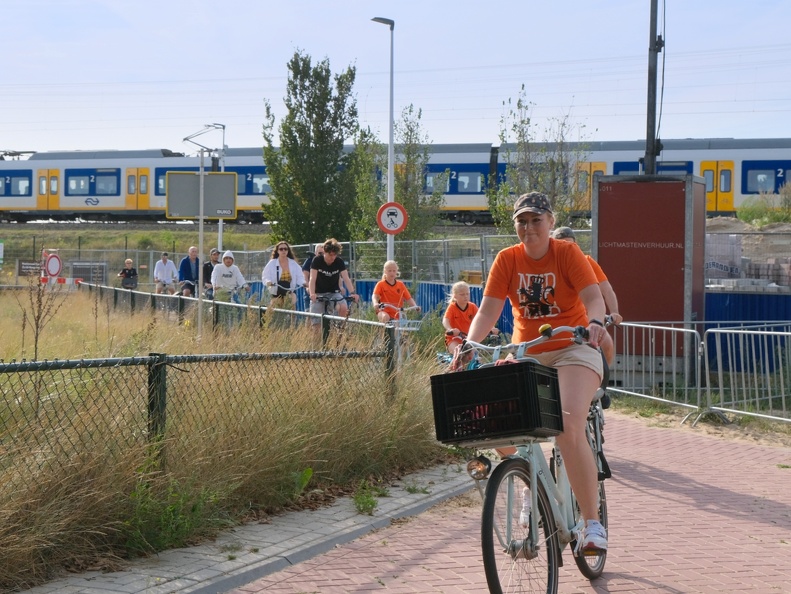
(721, 307)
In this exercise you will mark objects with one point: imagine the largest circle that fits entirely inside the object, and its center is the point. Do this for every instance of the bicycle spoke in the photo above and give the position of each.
(515, 558)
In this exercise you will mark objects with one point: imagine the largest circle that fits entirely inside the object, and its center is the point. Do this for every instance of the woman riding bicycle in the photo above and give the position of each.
(550, 281)
(282, 275)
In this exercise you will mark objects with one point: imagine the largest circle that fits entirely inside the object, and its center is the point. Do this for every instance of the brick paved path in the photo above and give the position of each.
(688, 513)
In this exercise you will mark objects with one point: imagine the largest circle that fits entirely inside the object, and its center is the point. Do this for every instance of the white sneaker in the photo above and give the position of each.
(595, 537)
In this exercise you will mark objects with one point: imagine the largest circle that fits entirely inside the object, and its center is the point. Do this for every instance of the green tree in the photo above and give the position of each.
(551, 165)
(369, 157)
(413, 151)
(313, 191)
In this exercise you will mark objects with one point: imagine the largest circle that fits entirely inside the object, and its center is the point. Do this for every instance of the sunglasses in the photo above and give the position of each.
(282, 249)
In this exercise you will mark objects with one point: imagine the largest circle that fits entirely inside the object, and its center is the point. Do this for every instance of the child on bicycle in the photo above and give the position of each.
(391, 291)
(459, 315)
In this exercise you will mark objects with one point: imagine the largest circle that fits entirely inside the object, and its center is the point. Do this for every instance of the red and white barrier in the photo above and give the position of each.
(60, 280)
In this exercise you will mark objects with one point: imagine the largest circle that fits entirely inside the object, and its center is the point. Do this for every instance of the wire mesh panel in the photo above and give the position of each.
(53, 412)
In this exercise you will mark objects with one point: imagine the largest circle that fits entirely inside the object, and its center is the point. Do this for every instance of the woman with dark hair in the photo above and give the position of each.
(282, 275)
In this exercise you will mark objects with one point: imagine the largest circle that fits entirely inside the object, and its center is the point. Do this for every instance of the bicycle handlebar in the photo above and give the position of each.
(579, 335)
(271, 286)
(396, 308)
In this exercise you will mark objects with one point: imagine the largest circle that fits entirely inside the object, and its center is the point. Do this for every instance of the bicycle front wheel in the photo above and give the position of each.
(591, 565)
(514, 560)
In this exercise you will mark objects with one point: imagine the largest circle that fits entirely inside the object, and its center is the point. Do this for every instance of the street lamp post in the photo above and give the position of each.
(203, 151)
(390, 147)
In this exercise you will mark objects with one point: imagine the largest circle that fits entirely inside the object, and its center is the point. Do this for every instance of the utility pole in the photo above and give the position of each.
(652, 146)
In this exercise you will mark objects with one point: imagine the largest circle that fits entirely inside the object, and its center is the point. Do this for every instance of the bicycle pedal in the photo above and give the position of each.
(593, 552)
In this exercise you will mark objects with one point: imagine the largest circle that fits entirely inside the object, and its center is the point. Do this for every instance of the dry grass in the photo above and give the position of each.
(82, 488)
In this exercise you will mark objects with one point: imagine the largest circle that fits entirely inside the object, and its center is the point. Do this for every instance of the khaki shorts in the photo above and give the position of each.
(576, 354)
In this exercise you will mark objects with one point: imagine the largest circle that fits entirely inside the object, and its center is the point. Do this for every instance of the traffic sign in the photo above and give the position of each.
(53, 265)
(392, 218)
(183, 195)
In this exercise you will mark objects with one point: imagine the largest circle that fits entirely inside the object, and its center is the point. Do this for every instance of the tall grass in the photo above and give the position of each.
(766, 209)
(229, 450)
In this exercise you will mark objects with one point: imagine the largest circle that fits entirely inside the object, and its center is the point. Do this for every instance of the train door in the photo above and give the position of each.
(584, 186)
(48, 189)
(137, 188)
(719, 186)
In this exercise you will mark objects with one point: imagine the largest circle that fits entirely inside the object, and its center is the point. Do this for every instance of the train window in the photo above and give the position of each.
(161, 184)
(42, 185)
(241, 187)
(470, 182)
(20, 186)
(2, 186)
(760, 180)
(131, 184)
(78, 185)
(708, 176)
(582, 181)
(726, 180)
(144, 184)
(106, 185)
(53, 185)
(261, 184)
(434, 180)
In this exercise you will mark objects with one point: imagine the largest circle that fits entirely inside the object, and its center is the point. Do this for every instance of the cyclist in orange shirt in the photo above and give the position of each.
(458, 315)
(392, 291)
(550, 281)
(607, 292)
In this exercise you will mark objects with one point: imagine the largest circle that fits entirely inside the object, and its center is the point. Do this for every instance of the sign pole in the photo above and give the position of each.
(200, 248)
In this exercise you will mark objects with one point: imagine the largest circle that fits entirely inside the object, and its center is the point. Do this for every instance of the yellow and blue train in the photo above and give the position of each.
(131, 184)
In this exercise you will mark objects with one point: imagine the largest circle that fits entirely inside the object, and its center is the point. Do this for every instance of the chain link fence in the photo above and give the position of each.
(55, 411)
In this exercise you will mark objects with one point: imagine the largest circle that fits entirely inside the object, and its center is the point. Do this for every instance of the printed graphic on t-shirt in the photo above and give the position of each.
(537, 295)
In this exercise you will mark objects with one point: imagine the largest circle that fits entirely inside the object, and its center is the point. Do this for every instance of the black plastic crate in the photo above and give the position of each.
(496, 404)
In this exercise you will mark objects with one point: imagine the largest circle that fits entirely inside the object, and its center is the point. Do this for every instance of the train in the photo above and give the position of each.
(126, 185)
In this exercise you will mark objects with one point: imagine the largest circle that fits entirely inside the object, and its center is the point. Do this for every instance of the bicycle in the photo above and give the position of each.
(403, 326)
(328, 317)
(282, 302)
(529, 512)
(224, 301)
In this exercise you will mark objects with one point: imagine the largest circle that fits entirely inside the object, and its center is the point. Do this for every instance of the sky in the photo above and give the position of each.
(122, 74)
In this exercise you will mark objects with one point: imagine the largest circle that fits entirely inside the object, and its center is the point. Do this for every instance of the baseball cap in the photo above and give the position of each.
(214, 251)
(532, 202)
(564, 233)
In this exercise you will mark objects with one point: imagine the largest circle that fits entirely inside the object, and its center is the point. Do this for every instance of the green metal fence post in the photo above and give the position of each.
(157, 396)
(325, 329)
(390, 348)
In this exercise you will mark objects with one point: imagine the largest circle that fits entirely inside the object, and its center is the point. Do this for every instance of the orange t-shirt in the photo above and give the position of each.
(600, 276)
(460, 318)
(396, 294)
(544, 291)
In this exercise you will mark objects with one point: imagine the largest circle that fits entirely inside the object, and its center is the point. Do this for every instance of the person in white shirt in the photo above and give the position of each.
(282, 275)
(226, 278)
(165, 275)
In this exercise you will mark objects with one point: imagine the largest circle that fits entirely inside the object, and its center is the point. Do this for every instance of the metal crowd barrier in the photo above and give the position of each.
(742, 369)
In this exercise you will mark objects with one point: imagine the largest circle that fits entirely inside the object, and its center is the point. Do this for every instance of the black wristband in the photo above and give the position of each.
(597, 322)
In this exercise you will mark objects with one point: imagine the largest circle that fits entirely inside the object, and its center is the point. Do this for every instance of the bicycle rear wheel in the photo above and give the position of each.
(508, 562)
